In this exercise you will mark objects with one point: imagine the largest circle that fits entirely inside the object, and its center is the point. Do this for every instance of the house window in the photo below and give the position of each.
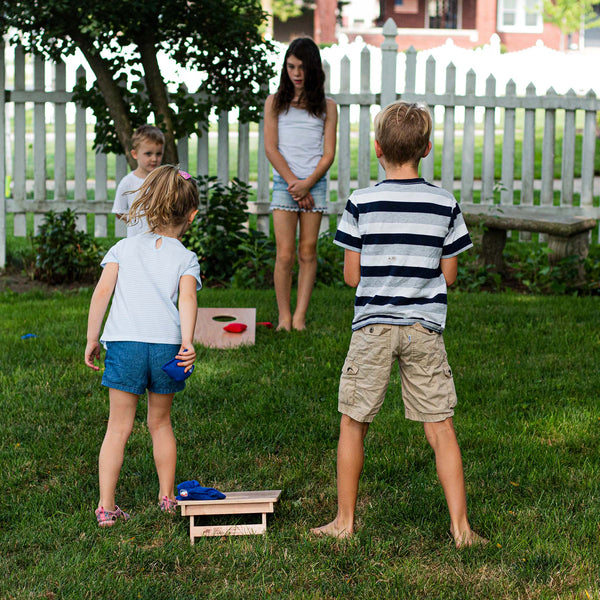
(442, 14)
(520, 16)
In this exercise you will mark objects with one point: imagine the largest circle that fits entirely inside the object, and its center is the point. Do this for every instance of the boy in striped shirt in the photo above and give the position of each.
(401, 239)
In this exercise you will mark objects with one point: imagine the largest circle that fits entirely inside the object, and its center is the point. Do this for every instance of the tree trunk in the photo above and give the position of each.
(109, 89)
(157, 92)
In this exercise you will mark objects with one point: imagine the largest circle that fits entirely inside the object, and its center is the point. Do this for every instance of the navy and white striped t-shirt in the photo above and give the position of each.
(402, 229)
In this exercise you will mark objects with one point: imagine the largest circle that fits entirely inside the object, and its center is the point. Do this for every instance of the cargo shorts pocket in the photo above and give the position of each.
(347, 391)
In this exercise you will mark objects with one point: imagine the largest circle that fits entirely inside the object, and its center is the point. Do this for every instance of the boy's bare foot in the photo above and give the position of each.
(468, 538)
(332, 530)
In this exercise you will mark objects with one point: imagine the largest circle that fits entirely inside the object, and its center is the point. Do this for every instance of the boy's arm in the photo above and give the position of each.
(351, 267)
(98, 305)
(449, 268)
(188, 311)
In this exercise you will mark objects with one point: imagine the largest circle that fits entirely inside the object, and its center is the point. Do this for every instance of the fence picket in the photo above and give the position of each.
(568, 155)
(548, 154)
(468, 144)
(507, 190)
(39, 138)
(427, 164)
(588, 151)
(364, 123)
(60, 133)
(448, 143)
(489, 144)
(344, 134)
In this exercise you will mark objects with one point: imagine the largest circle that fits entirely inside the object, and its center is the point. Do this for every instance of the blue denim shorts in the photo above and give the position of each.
(135, 367)
(282, 199)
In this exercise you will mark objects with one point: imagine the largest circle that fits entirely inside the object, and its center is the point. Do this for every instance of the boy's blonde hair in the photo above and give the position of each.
(147, 133)
(402, 129)
(166, 198)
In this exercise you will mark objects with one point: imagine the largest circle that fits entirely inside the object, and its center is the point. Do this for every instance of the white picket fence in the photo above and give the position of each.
(31, 195)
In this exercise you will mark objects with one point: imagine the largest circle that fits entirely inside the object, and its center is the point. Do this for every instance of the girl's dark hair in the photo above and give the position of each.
(166, 198)
(313, 95)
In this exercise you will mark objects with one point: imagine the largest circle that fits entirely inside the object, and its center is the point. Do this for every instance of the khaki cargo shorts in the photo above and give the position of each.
(427, 385)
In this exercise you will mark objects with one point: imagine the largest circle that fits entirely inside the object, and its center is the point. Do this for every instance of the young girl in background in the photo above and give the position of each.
(144, 329)
(300, 137)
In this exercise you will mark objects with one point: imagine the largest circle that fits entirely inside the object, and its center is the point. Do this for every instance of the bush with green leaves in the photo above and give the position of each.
(63, 253)
(330, 262)
(218, 231)
(528, 270)
(256, 263)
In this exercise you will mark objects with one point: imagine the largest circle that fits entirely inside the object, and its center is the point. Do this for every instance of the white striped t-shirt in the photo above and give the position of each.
(144, 305)
(402, 229)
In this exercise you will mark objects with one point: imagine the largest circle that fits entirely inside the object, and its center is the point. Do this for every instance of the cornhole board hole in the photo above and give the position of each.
(235, 503)
(210, 322)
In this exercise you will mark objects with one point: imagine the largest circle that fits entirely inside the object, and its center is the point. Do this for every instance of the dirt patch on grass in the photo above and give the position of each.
(19, 282)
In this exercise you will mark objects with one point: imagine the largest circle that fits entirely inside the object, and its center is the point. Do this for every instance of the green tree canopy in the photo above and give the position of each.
(571, 15)
(121, 40)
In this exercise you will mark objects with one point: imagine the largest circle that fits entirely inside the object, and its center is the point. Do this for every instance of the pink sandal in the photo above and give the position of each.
(169, 506)
(107, 518)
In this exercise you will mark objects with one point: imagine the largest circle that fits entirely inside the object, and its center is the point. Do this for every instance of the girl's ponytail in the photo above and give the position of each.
(166, 198)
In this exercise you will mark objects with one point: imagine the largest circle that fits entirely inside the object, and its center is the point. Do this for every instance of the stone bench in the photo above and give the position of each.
(235, 503)
(568, 234)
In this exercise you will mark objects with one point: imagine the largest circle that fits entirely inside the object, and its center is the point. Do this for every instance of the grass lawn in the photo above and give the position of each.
(265, 417)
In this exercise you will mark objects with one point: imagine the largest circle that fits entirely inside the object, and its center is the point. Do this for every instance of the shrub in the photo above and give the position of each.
(218, 230)
(330, 262)
(63, 253)
(256, 263)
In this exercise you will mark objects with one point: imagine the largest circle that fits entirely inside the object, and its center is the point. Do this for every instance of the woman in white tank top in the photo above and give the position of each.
(300, 139)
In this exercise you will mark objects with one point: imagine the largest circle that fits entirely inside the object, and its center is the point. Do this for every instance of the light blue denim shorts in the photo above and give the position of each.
(282, 199)
(135, 367)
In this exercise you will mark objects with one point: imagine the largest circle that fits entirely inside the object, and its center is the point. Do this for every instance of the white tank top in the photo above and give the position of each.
(300, 140)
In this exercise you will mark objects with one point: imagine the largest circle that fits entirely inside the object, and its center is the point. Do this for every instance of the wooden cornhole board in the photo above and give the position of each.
(234, 503)
(210, 333)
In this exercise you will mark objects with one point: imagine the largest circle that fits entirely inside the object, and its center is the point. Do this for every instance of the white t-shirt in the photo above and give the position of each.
(144, 305)
(124, 199)
(300, 140)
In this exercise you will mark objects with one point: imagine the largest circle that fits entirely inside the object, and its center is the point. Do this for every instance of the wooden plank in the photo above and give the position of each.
(209, 332)
(234, 497)
(221, 530)
(218, 507)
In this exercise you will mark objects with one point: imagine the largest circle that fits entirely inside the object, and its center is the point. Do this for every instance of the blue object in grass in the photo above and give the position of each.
(192, 490)
(176, 372)
(28, 335)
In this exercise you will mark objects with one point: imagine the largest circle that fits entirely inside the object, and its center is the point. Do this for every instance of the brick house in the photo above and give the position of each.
(427, 24)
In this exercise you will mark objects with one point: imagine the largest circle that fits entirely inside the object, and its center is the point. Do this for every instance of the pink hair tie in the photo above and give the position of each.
(184, 174)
